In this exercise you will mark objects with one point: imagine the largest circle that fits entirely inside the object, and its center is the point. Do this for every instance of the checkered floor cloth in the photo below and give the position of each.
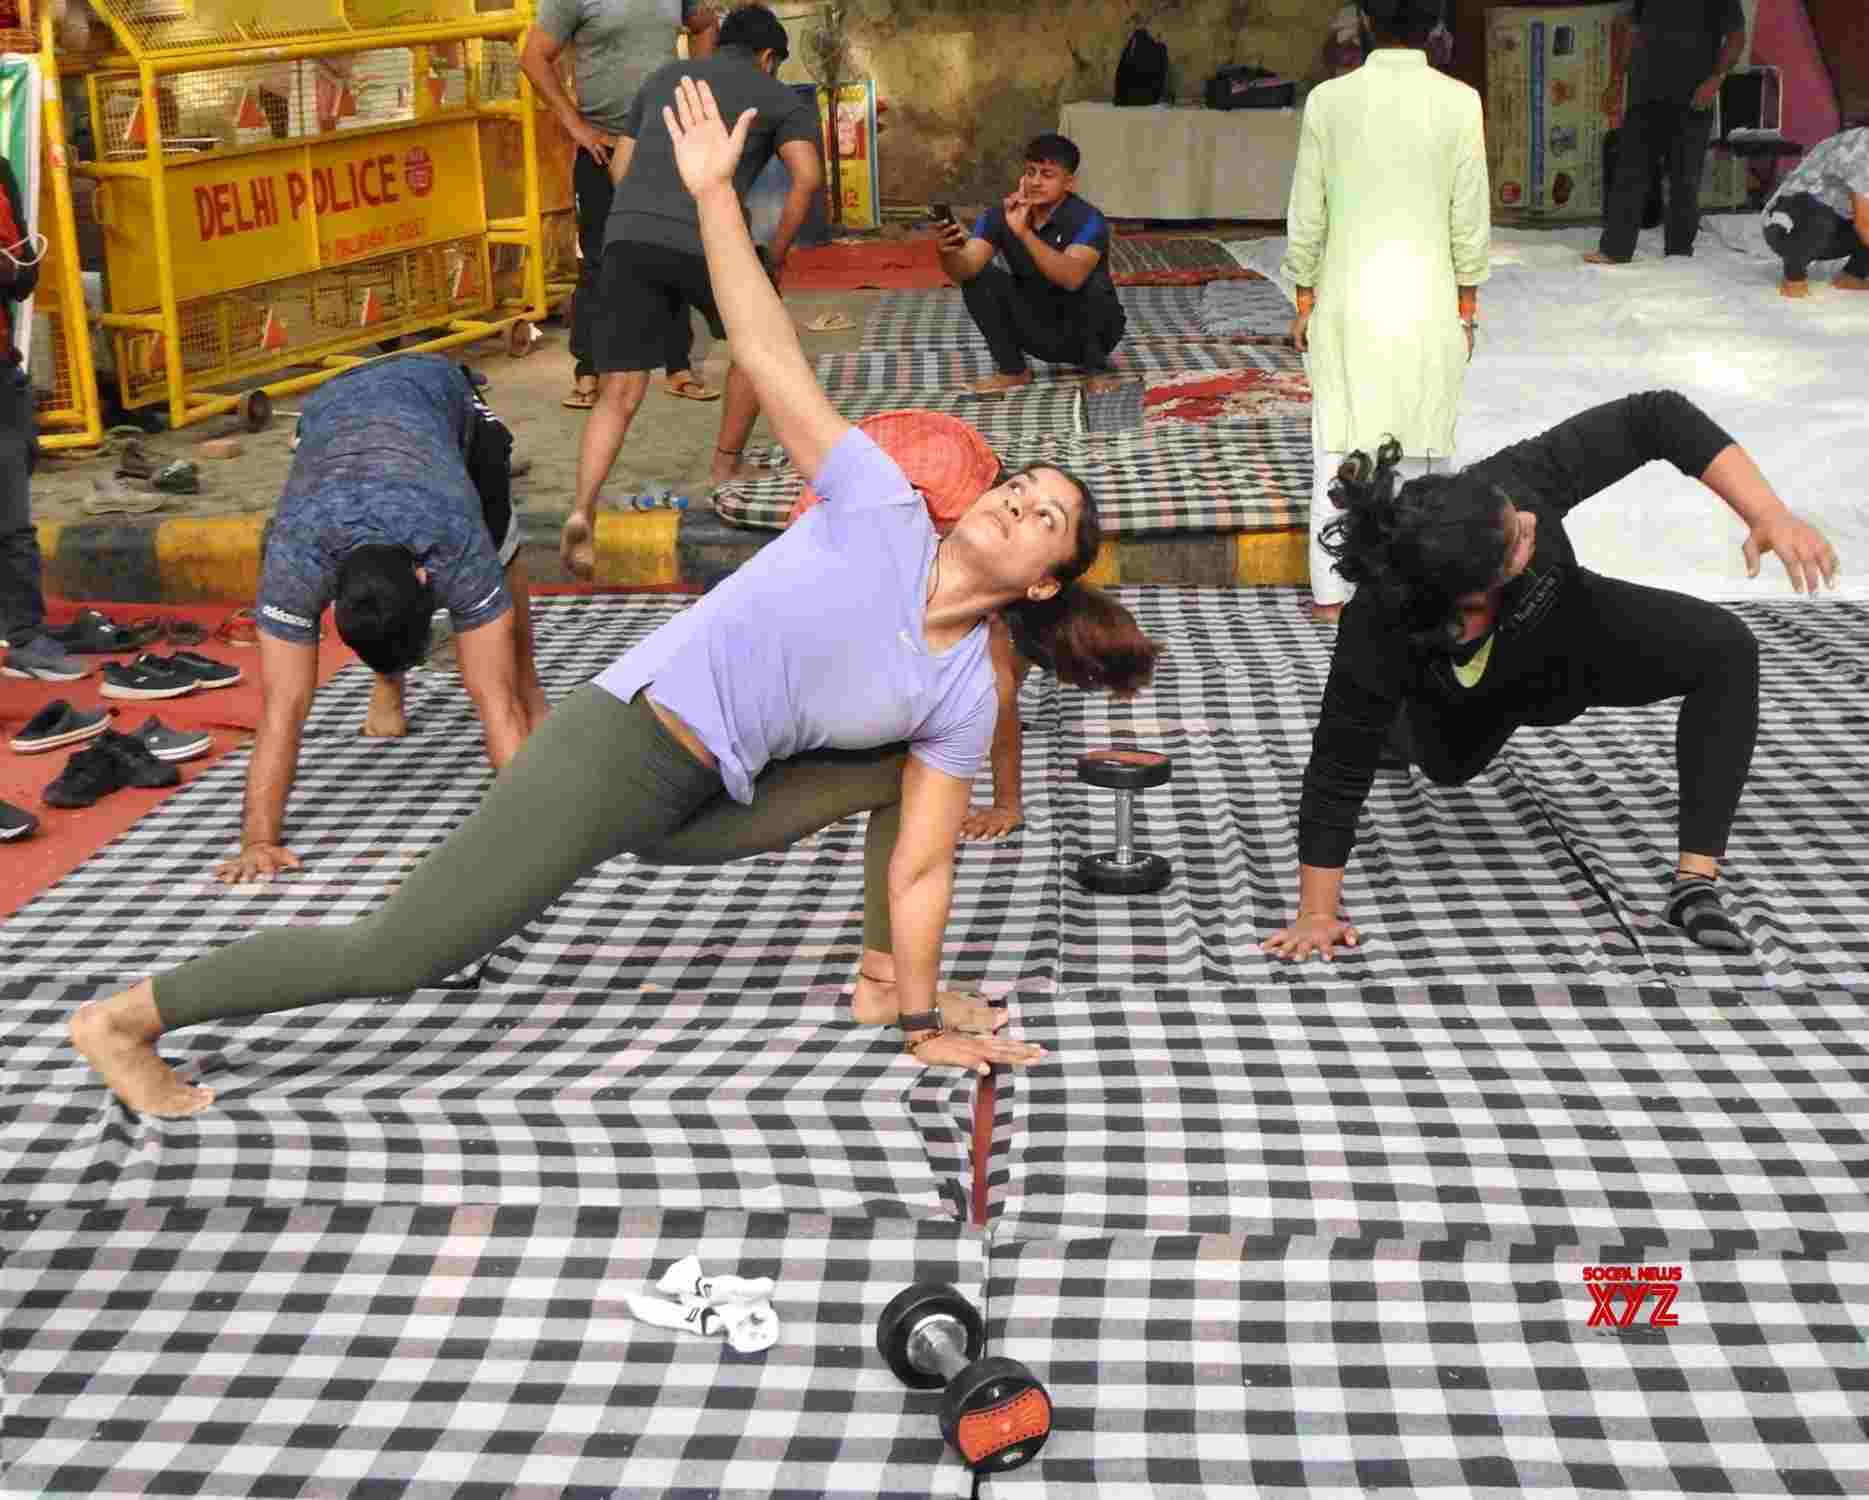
(452, 1353)
(1177, 260)
(1548, 869)
(1235, 308)
(924, 370)
(771, 1101)
(1273, 1368)
(939, 319)
(1712, 1122)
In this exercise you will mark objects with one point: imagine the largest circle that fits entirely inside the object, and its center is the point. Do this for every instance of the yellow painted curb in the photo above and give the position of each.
(1266, 558)
(215, 560)
(638, 548)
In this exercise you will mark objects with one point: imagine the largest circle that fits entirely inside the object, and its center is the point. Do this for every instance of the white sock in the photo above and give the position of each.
(748, 1327)
(686, 1279)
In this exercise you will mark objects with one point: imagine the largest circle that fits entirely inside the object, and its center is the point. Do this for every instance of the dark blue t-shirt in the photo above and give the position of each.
(1073, 222)
(388, 456)
(1680, 44)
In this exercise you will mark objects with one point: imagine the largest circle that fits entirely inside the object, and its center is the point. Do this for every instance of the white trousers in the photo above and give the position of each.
(1326, 586)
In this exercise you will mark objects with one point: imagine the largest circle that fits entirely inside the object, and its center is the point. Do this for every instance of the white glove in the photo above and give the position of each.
(686, 1280)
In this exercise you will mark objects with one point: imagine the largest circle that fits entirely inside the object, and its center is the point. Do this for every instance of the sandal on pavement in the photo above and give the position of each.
(689, 389)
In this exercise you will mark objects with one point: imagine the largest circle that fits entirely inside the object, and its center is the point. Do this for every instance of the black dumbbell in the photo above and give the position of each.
(995, 1412)
(1122, 871)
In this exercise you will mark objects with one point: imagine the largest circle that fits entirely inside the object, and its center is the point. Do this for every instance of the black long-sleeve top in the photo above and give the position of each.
(1375, 668)
(16, 282)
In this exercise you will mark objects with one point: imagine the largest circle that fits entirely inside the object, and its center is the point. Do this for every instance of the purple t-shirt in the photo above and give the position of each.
(817, 642)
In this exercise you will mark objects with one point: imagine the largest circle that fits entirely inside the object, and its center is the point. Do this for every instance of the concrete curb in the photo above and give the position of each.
(216, 560)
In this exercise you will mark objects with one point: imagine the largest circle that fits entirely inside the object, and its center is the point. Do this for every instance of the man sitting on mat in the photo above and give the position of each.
(654, 268)
(1472, 617)
(1055, 299)
(398, 504)
(1821, 212)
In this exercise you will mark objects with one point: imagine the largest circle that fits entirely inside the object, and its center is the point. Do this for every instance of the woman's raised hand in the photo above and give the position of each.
(705, 152)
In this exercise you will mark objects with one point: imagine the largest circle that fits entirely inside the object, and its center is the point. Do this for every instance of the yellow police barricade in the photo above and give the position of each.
(58, 344)
(285, 183)
(503, 150)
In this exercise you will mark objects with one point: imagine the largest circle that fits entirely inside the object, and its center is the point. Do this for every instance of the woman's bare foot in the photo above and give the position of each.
(576, 548)
(117, 1037)
(1326, 614)
(384, 719)
(994, 385)
(1794, 289)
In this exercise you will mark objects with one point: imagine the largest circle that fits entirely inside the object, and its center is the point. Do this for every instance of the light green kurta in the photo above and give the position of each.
(1389, 215)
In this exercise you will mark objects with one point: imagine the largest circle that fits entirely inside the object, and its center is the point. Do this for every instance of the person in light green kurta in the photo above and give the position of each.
(1389, 226)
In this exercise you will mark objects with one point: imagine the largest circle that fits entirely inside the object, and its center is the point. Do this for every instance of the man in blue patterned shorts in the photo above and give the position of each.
(398, 504)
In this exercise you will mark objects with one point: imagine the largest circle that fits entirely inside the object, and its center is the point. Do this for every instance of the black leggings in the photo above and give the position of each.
(1815, 232)
(1630, 646)
(599, 778)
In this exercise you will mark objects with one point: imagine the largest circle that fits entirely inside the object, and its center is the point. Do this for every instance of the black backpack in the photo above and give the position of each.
(1142, 70)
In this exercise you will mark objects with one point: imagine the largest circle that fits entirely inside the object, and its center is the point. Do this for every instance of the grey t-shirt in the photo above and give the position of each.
(651, 205)
(619, 43)
(1680, 43)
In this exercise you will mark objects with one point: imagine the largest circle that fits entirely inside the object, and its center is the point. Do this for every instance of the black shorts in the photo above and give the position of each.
(641, 292)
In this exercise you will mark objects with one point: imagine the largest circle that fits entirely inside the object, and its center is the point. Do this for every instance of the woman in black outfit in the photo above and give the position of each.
(1472, 617)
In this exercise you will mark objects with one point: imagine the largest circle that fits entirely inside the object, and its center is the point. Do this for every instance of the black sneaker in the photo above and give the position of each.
(90, 774)
(141, 768)
(149, 676)
(57, 724)
(206, 671)
(15, 822)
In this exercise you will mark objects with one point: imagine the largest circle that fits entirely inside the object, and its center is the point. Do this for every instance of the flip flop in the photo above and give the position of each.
(581, 400)
(239, 629)
(689, 389)
(829, 322)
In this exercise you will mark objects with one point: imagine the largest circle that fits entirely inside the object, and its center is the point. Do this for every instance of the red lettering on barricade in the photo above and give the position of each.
(386, 169)
(223, 207)
(204, 212)
(297, 192)
(418, 170)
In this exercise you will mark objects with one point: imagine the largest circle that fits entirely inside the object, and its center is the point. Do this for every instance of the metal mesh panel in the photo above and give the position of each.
(55, 393)
(168, 26)
(294, 320)
(212, 108)
(499, 72)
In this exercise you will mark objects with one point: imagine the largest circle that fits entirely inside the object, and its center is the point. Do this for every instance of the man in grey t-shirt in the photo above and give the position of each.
(654, 268)
(616, 44)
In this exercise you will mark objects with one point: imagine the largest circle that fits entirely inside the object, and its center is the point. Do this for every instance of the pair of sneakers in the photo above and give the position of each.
(112, 762)
(153, 676)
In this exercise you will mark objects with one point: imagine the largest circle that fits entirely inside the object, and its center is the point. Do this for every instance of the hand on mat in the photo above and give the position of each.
(1800, 547)
(256, 862)
(991, 823)
(705, 152)
(1299, 327)
(1308, 935)
(590, 138)
(948, 1049)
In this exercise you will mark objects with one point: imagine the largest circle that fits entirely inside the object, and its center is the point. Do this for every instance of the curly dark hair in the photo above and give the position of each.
(1419, 546)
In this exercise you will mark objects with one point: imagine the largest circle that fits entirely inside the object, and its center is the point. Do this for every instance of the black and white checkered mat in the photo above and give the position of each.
(1266, 1367)
(1721, 1122)
(682, 1102)
(1549, 869)
(938, 319)
(447, 1352)
(923, 370)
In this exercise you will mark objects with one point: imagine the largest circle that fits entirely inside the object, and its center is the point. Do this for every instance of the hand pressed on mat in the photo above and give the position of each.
(1312, 934)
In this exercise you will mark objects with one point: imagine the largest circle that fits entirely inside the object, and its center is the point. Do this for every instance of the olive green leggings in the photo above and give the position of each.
(599, 778)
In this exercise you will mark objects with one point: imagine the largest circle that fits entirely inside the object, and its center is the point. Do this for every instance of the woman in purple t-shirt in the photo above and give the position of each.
(844, 669)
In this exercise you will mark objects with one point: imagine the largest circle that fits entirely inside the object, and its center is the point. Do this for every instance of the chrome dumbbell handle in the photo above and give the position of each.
(937, 1345)
(1125, 828)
